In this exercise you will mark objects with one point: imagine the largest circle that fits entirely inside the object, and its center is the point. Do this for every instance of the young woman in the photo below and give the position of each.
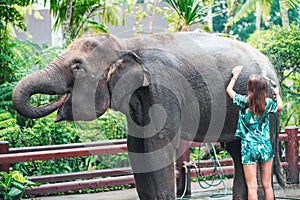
(253, 129)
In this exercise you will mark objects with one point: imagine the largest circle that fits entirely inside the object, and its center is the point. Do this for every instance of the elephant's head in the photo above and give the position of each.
(79, 76)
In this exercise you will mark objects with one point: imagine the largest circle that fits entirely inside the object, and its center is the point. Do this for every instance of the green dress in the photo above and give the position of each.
(254, 131)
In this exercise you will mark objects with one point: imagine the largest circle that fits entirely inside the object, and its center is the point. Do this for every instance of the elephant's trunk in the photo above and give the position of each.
(44, 81)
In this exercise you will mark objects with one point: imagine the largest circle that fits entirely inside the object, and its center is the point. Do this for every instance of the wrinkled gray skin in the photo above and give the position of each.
(169, 86)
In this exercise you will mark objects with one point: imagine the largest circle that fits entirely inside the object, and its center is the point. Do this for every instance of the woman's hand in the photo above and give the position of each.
(275, 90)
(236, 71)
(278, 98)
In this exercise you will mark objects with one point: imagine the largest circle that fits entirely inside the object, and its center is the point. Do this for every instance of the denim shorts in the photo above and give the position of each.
(254, 152)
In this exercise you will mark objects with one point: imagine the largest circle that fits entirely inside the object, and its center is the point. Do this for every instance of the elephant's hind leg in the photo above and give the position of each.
(239, 183)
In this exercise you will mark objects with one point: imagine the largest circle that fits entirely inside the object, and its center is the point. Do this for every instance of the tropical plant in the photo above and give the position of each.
(262, 10)
(142, 12)
(10, 15)
(111, 125)
(285, 6)
(78, 16)
(20, 58)
(282, 47)
(12, 185)
(190, 12)
(8, 127)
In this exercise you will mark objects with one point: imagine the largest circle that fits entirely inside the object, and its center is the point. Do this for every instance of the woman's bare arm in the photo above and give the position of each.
(236, 72)
(278, 98)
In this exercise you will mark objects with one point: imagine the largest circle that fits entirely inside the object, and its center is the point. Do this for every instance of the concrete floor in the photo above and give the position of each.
(293, 192)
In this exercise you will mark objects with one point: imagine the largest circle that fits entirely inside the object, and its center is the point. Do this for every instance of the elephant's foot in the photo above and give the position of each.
(238, 198)
(162, 196)
(145, 196)
(156, 185)
(165, 196)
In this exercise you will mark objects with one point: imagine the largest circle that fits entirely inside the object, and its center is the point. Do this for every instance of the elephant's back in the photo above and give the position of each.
(208, 64)
(222, 52)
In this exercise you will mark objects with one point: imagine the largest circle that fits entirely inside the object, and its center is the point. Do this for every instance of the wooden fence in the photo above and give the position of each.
(288, 141)
(120, 176)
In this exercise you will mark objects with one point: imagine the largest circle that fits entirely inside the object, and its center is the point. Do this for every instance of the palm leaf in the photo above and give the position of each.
(96, 25)
(244, 11)
(189, 11)
(288, 4)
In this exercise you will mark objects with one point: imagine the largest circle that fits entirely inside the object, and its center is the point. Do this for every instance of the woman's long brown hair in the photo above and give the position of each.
(257, 95)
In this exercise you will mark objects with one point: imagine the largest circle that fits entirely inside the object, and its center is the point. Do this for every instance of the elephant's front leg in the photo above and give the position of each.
(153, 167)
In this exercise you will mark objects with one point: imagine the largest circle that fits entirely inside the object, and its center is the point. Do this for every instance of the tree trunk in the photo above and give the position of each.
(67, 36)
(231, 13)
(284, 15)
(184, 28)
(258, 16)
(210, 20)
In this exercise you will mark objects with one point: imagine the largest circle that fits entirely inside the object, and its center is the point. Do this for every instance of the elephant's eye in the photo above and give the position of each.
(77, 67)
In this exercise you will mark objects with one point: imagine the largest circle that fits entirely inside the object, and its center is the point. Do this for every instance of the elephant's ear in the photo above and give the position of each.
(130, 58)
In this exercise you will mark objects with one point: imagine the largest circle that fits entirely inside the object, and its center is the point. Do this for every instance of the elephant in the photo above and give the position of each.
(170, 86)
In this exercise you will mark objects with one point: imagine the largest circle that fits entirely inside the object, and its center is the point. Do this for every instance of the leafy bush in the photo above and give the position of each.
(20, 132)
(282, 48)
(9, 130)
(111, 125)
(12, 185)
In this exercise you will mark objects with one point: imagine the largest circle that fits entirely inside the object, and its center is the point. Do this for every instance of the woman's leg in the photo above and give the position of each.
(266, 178)
(251, 181)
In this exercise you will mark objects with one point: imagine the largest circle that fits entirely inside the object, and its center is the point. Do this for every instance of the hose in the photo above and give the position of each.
(216, 166)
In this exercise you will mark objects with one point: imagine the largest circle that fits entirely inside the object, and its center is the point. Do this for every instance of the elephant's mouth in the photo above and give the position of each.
(62, 112)
(79, 109)
(61, 99)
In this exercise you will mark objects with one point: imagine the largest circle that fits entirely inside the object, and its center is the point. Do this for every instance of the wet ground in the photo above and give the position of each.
(222, 191)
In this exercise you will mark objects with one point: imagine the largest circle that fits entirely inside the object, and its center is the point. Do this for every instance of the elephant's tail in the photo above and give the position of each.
(277, 167)
(278, 171)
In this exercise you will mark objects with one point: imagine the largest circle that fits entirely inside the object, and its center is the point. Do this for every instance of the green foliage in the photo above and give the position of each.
(12, 185)
(5, 97)
(45, 132)
(10, 17)
(8, 127)
(249, 6)
(113, 161)
(111, 125)
(282, 48)
(246, 25)
(82, 17)
(26, 56)
(142, 12)
(20, 58)
(189, 11)
(10, 14)
(205, 152)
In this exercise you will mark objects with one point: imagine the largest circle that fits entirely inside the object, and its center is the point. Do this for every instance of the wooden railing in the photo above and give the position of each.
(290, 138)
(120, 176)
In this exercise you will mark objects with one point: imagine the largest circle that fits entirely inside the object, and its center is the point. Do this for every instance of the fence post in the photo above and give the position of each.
(292, 155)
(183, 154)
(4, 150)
